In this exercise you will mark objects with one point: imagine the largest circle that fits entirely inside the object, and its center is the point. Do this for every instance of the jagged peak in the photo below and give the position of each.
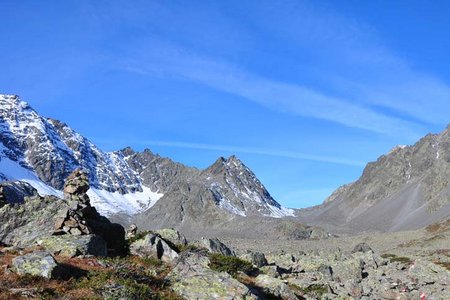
(14, 101)
(127, 151)
(56, 122)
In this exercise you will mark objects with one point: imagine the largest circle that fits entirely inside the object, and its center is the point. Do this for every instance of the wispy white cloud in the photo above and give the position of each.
(348, 55)
(256, 151)
(285, 97)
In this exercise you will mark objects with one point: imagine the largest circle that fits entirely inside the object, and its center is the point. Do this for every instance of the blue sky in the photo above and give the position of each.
(304, 92)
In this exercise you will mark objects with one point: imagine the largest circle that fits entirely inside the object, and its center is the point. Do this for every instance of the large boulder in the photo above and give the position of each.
(172, 236)
(275, 287)
(71, 246)
(215, 246)
(192, 279)
(283, 260)
(21, 225)
(40, 263)
(258, 259)
(153, 246)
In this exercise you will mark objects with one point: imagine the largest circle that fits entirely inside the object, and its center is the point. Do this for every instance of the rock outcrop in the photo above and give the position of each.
(14, 192)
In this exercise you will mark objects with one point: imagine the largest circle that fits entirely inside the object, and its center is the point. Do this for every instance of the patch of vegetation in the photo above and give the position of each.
(444, 264)
(186, 248)
(438, 227)
(315, 291)
(129, 277)
(230, 264)
(394, 258)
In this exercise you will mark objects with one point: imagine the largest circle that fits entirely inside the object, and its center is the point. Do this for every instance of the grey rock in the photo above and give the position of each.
(173, 236)
(39, 263)
(275, 287)
(214, 245)
(71, 245)
(153, 246)
(283, 260)
(272, 271)
(192, 279)
(361, 247)
(258, 259)
(23, 224)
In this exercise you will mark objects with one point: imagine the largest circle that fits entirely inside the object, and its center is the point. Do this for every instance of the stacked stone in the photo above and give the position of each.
(75, 189)
(73, 219)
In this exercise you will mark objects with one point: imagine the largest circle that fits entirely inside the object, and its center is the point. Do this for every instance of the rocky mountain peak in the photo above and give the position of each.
(408, 187)
(45, 151)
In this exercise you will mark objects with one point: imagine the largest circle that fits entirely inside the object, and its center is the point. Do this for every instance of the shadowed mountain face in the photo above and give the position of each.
(405, 189)
(43, 152)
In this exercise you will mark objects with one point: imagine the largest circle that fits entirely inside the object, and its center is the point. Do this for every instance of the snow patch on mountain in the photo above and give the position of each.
(109, 203)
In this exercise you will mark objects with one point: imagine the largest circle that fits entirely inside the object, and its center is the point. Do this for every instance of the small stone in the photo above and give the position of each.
(59, 223)
(73, 205)
(71, 223)
(361, 247)
(75, 231)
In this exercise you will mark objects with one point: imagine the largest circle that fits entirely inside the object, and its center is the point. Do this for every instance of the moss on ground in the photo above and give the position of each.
(230, 264)
(394, 258)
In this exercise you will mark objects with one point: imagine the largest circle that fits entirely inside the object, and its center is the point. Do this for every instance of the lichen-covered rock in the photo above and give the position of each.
(362, 247)
(71, 246)
(275, 287)
(192, 279)
(39, 263)
(153, 246)
(283, 260)
(173, 236)
(23, 224)
(272, 271)
(258, 259)
(215, 246)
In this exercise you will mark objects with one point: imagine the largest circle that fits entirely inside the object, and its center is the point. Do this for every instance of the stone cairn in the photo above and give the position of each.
(73, 219)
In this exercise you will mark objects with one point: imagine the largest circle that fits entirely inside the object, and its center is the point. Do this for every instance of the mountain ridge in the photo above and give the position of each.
(407, 188)
(45, 151)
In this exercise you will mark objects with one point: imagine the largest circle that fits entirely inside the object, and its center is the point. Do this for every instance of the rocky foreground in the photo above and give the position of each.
(64, 249)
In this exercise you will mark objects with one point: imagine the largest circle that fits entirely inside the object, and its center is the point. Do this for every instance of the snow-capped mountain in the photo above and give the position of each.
(43, 152)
